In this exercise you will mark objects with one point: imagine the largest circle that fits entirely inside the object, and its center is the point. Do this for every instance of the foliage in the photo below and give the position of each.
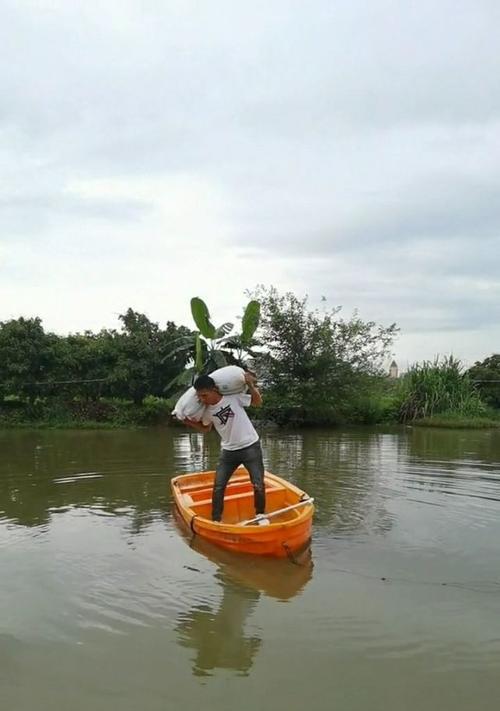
(486, 376)
(250, 322)
(215, 347)
(78, 412)
(429, 389)
(314, 367)
(201, 317)
(26, 356)
(142, 366)
(315, 363)
(218, 347)
(375, 403)
(128, 364)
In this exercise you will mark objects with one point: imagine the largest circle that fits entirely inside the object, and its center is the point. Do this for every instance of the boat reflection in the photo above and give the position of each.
(280, 578)
(218, 634)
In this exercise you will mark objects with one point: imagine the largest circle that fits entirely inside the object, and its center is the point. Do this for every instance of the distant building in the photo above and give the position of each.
(393, 370)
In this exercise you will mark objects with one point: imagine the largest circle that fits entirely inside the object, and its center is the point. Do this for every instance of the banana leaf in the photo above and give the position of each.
(250, 321)
(224, 330)
(201, 316)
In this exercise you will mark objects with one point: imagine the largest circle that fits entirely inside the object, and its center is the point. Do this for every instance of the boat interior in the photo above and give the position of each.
(196, 494)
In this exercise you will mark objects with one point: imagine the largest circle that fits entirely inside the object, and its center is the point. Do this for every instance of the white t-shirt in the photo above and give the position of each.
(231, 421)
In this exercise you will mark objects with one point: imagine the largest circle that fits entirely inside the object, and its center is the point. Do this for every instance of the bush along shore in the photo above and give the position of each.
(442, 394)
(457, 422)
(86, 414)
(156, 412)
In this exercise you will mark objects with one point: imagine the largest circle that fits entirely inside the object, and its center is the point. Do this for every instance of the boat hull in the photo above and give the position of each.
(285, 534)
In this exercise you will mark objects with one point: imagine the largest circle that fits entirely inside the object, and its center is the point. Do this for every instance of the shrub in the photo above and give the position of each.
(429, 389)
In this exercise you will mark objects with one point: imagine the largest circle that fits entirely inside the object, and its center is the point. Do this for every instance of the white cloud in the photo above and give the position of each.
(150, 151)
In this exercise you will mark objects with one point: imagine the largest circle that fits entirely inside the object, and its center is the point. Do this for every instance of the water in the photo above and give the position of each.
(105, 603)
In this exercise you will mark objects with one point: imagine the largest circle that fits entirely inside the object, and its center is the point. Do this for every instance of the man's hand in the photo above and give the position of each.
(251, 381)
(197, 425)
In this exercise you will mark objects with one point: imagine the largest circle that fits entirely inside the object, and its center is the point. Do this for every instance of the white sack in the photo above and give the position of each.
(189, 407)
(229, 380)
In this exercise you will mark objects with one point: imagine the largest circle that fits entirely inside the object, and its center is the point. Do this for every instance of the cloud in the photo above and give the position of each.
(148, 150)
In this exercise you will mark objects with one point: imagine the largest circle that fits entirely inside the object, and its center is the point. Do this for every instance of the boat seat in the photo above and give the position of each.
(239, 477)
(274, 492)
(200, 485)
(233, 488)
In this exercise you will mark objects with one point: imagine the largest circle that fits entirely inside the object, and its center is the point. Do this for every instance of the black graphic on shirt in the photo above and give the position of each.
(224, 414)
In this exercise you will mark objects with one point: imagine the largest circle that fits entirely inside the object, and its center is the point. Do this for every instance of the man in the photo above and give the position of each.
(239, 440)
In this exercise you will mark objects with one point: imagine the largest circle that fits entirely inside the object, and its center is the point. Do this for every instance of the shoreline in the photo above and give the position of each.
(436, 422)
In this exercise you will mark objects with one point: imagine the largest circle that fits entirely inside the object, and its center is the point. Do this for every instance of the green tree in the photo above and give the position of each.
(27, 356)
(486, 377)
(315, 362)
(83, 363)
(145, 361)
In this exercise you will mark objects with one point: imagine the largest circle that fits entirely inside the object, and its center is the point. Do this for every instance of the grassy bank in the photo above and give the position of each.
(84, 414)
(441, 394)
(459, 422)
(53, 424)
(380, 404)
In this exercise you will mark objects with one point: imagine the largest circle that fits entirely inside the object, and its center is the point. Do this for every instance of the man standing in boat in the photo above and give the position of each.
(239, 440)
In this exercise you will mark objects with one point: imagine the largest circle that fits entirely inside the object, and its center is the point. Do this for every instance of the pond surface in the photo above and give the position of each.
(105, 603)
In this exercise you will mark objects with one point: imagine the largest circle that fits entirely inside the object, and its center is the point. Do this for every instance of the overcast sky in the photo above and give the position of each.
(151, 151)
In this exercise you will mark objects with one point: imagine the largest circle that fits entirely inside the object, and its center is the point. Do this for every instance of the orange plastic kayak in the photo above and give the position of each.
(284, 528)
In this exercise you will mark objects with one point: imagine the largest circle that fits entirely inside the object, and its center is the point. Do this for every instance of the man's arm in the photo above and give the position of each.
(198, 425)
(253, 390)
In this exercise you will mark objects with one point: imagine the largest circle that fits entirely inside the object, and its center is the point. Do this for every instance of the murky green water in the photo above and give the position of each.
(106, 604)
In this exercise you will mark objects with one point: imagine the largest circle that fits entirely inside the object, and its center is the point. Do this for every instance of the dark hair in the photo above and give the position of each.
(205, 382)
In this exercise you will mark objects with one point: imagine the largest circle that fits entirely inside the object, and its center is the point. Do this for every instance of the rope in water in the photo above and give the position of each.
(481, 586)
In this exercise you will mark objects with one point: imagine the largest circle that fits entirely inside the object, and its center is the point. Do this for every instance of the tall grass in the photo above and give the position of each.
(429, 389)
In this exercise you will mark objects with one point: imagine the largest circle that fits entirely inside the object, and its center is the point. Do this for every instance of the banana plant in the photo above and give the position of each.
(214, 347)
(244, 342)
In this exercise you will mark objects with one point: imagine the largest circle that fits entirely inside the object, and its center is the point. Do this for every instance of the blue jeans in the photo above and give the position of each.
(251, 458)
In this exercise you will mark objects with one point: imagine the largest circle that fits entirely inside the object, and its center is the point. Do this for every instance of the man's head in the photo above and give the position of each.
(206, 390)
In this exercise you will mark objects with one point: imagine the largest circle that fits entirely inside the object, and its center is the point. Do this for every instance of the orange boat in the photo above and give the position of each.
(282, 530)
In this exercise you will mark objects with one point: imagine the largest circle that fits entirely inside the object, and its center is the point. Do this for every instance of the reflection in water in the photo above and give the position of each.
(45, 472)
(276, 577)
(454, 463)
(456, 447)
(342, 471)
(219, 637)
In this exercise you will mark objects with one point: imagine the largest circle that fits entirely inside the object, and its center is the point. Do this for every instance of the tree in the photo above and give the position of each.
(486, 377)
(315, 362)
(145, 362)
(26, 356)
